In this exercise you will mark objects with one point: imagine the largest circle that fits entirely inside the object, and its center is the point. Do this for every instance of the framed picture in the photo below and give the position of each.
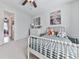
(55, 17)
(36, 21)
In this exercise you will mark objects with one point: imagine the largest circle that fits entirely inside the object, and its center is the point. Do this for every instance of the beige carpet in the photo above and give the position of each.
(15, 50)
(33, 57)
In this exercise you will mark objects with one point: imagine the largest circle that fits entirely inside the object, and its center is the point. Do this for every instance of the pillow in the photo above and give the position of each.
(55, 33)
(62, 34)
(41, 31)
(50, 32)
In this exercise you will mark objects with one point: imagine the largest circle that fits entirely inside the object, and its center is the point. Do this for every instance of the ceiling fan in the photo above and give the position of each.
(30, 1)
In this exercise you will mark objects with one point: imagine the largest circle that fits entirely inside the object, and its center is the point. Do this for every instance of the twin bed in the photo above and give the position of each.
(52, 47)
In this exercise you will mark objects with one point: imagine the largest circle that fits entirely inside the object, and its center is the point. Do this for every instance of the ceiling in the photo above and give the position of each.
(43, 5)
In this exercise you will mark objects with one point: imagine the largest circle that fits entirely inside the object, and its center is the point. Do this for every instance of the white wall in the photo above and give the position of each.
(65, 16)
(69, 17)
(22, 24)
(74, 27)
(22, 21)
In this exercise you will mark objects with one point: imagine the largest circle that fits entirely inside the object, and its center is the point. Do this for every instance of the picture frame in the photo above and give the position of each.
(55, 17)
(36, 21)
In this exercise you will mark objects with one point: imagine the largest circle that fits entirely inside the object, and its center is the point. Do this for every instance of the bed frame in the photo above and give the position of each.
(45, 48)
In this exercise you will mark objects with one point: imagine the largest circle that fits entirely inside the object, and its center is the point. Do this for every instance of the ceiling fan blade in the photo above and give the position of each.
(24, 2)
(34, 4)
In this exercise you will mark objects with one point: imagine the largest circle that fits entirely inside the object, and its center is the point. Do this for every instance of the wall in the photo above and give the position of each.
(65, 16)
(22, 21)
(74, 27)
(69, 17)
(22, 25)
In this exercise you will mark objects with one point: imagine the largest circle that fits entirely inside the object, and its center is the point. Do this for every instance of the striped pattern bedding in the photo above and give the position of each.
(54, 49)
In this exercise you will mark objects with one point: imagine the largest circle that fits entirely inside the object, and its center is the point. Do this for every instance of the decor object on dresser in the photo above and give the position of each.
(55, 17)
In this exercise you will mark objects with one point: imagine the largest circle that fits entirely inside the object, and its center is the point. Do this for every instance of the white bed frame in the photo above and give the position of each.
(41, 56)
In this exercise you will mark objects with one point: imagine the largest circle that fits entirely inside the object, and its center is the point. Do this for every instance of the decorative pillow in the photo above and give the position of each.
(42, 31)
(62, 34)
(50, 32)
(55, 33)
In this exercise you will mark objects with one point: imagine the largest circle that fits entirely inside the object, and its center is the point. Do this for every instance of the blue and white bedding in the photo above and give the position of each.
(54, 50)
(57, 38)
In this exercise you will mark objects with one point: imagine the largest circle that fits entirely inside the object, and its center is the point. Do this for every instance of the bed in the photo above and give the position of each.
(52, 47)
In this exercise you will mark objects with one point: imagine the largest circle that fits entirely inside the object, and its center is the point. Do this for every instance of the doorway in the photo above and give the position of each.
(8, 26)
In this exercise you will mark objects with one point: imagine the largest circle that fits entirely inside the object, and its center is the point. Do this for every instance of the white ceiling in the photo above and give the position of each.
(43, 5)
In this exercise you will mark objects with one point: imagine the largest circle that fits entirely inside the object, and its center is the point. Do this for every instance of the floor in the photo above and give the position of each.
(33, 57)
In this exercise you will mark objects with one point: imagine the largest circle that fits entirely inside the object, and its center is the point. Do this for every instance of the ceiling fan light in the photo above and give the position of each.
(30, 1)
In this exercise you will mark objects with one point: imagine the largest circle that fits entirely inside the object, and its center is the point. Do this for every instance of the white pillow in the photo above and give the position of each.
(37, 31)
(41, 31)
(62, 34)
